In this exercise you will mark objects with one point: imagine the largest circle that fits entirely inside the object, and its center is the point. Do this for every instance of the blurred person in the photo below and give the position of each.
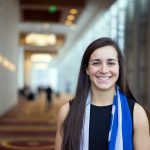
(104, 113)
(28, 93)
(39, 89)
(49, 92)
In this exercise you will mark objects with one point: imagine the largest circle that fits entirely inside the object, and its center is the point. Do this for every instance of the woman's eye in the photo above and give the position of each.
(95, 63)
(111, 63)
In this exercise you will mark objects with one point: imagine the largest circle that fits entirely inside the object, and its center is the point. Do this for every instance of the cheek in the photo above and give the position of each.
(91, 71)
(116, 71)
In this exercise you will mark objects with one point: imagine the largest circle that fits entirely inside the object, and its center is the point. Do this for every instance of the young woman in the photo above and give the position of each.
(103, 115)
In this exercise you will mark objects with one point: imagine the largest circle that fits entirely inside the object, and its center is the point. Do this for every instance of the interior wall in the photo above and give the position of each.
(9, 18)
(137, 50)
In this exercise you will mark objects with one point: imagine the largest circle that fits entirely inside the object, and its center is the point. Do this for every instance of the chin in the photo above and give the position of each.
(105, 88)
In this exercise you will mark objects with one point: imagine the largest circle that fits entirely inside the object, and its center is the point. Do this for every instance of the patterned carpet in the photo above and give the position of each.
(29, 126)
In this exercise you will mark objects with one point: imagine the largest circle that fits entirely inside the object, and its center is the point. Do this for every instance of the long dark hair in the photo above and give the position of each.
(72, 126)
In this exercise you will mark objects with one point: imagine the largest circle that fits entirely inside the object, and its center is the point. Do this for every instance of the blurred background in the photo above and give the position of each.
(41, 46)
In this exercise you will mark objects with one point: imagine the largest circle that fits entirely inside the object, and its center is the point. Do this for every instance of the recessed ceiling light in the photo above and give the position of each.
(73, 11)
(70, 17)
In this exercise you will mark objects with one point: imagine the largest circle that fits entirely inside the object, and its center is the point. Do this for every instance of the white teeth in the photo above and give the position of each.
(103, 78)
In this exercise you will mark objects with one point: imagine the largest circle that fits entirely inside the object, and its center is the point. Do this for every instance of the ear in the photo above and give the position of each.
(87, 72)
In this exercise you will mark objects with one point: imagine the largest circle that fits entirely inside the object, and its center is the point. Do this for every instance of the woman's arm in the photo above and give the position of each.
(141, 138)
(62, 114)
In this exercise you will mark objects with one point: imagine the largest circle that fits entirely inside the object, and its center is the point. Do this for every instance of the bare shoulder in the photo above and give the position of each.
(140, 117)
(141, 137)
(63, 111)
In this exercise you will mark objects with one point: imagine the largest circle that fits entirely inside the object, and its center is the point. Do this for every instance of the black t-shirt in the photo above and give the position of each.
(100, 117)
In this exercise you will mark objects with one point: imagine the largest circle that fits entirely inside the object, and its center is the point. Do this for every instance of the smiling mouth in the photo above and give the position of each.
(103, 78)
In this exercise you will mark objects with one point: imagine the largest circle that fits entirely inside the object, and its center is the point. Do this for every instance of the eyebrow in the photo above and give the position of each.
(110, 59)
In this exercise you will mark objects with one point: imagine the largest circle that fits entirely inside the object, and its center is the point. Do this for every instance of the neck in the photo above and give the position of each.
(102, 97)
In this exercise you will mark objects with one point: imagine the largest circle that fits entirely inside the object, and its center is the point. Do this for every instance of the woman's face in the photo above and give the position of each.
(103, 68)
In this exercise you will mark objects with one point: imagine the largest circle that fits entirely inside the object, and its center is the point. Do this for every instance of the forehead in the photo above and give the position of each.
(106, 52)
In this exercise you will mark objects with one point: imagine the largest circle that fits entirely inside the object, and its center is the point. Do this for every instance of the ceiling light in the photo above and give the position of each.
(41, 58)
(40, 66)
(52, 39)
(70, 17)
(7, 64)
(73, 11)
(41, 39)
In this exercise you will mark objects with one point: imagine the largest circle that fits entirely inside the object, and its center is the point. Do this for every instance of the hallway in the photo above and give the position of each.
(29, 125)
(42, 44)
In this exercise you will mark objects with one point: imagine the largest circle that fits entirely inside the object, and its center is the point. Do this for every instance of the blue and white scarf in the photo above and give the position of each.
(120, 133)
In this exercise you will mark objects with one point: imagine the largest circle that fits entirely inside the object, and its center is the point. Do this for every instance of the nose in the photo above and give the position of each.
(104, 69)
